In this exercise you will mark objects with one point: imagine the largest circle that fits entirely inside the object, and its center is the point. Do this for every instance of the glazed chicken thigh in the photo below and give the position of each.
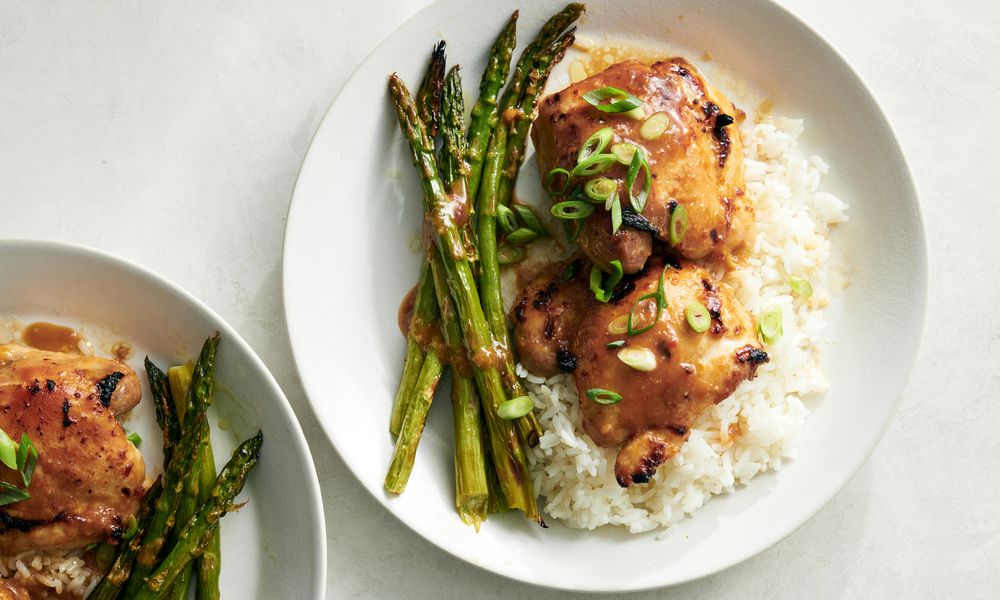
(696, 162)
(89, 478)
(675, 372)
(682, 373)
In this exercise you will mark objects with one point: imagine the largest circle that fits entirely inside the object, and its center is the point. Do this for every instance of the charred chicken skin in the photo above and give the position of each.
(89, 478)
(675, 373)
(696, 162)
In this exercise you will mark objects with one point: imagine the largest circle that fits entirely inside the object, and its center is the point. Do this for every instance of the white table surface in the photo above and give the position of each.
(171, 133)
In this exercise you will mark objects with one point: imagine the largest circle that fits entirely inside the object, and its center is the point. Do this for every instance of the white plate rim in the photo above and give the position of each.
(133, 269)
(920, 288)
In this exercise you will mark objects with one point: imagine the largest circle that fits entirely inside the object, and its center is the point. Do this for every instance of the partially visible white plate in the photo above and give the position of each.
(275, 546)
(348, 261)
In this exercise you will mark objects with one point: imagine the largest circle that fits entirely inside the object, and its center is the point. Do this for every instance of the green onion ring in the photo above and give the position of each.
(616, 214)
(603, 288)
(639, 162)
(515, 407)
(572, 209)
(529, 218)
(595, 144)
(624, 151)
(506, 218)
(698, 317)
(678, 225)
(621, 101)
(521, 236)
(600, 189)
(615, 344)
(573, 229)
(8, 450)
(594, 165)
(510, 255)
(602, 396)
(800, 286)
(552, 175)
(771, 327)
(659, 296)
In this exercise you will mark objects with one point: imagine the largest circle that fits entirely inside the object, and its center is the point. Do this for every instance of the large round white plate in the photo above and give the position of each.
(275, 546)
(348, 261)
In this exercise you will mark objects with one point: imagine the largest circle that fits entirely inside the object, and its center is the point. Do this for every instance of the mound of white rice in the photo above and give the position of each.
(64, 572)
(755, 429)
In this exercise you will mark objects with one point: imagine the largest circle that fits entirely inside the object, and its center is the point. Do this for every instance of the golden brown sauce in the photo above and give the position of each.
(122, 351)
(405, 314)
(599, 58)
(51, 337)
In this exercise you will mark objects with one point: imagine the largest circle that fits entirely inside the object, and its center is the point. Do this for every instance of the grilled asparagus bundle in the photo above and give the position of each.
(458, 315)
(177, 534)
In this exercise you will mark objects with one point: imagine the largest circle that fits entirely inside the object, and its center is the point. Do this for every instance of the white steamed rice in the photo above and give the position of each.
(64, 572)
(755, 429)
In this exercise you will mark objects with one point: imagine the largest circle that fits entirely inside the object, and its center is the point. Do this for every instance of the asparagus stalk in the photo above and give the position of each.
(425, 311)
(532, 70)
(197, 396)
(166, 413)
(197, 531)
(411, 412)
(440, 208)
(485, 111)
(111, 584)
(471, 487)
(413, 424)
(431, 90)
(165, 508)
(424, 315)
(209, 566)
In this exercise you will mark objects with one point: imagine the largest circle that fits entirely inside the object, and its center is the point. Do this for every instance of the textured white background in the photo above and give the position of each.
(171, 134)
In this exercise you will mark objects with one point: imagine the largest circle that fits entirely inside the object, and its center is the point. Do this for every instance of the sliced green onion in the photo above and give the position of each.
(515, 407)
(27, 458)
(131, 528)
(616, 214)
(521, 236)
(506, 218)
(612, 100)
(800, 286)
(623, 152)
(595, 144)
(640, 359)
(639, 163)
(615, 344)
(8, 450)
(572, 209)
(698, 317)
(654, 126)
(593, 165)
(659, 296)
(619, 324)
(600, 189)
(135, 438)
(510, 255)
(678, 225)
(603, 288)
(9, 494)
(529, 218)
(632, 329)
(636, 113)
(573, 229)
(771, 328)
(602, 396)
(549, 179)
